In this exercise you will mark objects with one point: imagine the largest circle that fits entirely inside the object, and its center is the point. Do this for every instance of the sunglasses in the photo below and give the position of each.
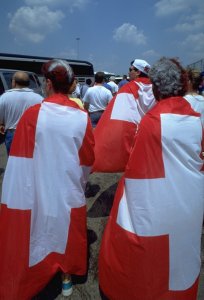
(132, 69)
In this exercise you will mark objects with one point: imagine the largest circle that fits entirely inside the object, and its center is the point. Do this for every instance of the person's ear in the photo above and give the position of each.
(13, 83)
(49, 83)
(138, 72)
(49, 86)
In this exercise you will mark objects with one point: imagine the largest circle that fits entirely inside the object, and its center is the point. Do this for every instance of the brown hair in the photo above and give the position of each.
(194, 78)
(60, 73)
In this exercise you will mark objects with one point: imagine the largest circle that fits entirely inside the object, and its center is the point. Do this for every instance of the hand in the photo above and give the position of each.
(2, 129)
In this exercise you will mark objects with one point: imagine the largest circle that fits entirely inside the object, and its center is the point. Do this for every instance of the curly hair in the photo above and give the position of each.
(169, 78)
(60, 73)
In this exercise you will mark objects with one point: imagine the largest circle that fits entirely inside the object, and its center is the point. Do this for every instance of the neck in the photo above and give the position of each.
(192, 93)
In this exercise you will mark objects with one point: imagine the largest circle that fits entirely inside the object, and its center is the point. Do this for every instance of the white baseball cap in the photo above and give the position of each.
(141, 65)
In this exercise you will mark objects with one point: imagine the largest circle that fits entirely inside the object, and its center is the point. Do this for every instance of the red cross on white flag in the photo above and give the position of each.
(114, 134)
(151, 246)
(43, 211)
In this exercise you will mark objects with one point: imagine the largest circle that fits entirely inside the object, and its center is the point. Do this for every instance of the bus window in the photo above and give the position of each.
(8, 78)
(1, 87)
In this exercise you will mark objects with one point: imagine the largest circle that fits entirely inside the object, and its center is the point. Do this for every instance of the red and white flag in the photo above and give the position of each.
(114, 134)
(151, 245)
(43, 210)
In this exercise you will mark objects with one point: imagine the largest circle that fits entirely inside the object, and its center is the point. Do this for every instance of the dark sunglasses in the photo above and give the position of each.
(132, 69)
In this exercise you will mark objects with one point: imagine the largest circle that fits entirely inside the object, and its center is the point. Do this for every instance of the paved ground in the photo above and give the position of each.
(99, 196)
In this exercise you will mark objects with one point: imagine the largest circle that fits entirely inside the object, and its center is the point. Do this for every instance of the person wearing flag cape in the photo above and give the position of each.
(114, 134)
(151, 246)
(43, 207)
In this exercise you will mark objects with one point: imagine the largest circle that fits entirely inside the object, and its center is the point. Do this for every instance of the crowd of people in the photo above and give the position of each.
(150, 127)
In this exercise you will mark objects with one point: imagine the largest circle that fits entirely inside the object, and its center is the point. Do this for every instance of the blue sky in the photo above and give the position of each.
(111, 33)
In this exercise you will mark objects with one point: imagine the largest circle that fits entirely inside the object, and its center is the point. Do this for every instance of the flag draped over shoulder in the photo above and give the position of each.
(43, 210)
(115, 132)
(151, 244)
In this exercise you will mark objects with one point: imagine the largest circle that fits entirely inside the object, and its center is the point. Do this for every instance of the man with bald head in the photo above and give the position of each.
(20, 79)
(14, 102)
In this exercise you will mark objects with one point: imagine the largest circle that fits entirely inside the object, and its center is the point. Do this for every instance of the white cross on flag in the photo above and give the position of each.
(43, 210)
(115, 132)
(151, 245)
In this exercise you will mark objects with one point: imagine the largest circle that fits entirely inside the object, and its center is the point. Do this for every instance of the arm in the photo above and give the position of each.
(86, 101)
(86, 106)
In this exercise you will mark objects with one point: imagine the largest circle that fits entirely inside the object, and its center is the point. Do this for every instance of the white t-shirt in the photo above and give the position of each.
(13, 103)
(197, 103)
(98, 98)
(114, 86)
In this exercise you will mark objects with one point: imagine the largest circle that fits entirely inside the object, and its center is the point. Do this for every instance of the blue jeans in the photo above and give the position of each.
(8, 139)
(95, 117)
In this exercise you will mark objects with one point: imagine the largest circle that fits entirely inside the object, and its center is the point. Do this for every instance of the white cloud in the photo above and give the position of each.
(187, 16)
(41, 17)
(34, 23)
(169, 7)
(194, 46)
(91, 57)
(151, 53)
(71, 4)
(43, 2)
(195, 42)
(192, 22)
(130, 34)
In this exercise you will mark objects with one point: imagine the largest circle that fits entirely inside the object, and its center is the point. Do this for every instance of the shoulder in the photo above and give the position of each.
(33, 95)
(90, 89)
(38, 96)
(94, 89)
(105, 90)
(9, 94)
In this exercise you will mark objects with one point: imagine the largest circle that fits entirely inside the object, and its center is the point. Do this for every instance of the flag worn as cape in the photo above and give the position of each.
(115, 132)
(43, 210)
(151, 245)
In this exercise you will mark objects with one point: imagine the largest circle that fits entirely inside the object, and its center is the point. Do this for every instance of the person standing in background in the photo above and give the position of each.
(201, 84)
(192, 96)
(72, 95)
(123, 81)
(116, 130)
(14, 102)
(96, 99)
(106, 85)
(113, 85)
(85, 87)
(76, 92)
